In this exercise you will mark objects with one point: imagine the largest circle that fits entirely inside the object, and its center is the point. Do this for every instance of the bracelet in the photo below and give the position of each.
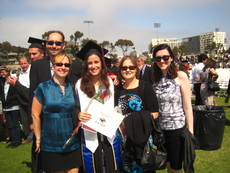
(37, 142)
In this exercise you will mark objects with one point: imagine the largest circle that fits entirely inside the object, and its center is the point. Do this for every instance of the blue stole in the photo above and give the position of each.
(88, 156)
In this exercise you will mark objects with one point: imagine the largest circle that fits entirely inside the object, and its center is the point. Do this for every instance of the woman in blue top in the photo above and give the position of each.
(55, 99)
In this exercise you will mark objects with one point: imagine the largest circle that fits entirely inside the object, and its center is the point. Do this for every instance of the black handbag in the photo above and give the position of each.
(154, 157)
(212, 85)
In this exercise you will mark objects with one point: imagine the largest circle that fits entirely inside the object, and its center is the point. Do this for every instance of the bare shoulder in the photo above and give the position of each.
(182, 75)
(212, 70)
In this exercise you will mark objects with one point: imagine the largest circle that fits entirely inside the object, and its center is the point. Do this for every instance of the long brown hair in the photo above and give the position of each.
(86, 85)
(211, 63)
(172, 71)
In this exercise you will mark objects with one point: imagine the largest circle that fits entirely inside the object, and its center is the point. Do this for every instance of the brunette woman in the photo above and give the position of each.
(173, 92)
(138, 103)
(100, 153)
(208, 72)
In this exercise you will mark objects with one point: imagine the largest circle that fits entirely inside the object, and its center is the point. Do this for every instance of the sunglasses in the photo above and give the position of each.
(58, 43)
(128, 67)
(158, 58)
(60, 64)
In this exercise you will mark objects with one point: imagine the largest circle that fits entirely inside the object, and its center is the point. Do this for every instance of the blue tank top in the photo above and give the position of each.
(57, 108)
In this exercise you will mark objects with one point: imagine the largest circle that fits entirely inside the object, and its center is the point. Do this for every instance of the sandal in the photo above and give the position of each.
(6, 141)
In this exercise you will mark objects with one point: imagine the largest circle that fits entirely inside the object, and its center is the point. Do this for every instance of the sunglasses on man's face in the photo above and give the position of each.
(60, 64)
(158, 58)
(57, 43)
(123, 68)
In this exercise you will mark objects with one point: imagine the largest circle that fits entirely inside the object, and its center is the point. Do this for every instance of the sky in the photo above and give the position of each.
(112, 19)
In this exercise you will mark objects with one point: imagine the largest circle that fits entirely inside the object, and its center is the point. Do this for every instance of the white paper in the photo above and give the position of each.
(104, 120)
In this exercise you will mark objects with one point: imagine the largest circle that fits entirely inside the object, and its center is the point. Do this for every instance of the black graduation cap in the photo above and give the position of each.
(108, 62)
(36, 43)
(91, 45)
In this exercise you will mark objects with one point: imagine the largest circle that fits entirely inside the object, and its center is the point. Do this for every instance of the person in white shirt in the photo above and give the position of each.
(22, 85)
(196, 71)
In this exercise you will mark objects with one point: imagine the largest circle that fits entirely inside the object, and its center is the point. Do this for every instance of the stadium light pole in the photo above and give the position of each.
(88, 22)
(157, 25)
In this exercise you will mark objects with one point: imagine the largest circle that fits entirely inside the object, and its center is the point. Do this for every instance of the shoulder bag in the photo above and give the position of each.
(155, 157)
(212, 85)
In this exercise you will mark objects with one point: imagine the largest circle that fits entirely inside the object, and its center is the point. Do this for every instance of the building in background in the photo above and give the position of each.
(197, 44)
(208, 38)
(193, 44)
(172, 42)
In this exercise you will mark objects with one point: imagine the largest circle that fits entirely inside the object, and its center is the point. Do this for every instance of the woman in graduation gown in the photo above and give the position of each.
(100, 153)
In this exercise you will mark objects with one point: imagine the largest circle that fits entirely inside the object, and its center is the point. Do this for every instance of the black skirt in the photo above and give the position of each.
(53, 162)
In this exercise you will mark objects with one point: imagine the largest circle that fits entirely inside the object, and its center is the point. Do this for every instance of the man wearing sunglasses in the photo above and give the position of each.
(41, 71)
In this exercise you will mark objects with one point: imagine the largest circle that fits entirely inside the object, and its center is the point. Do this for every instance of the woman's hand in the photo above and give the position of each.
(37, 147)
(155, 115)
(84, 116)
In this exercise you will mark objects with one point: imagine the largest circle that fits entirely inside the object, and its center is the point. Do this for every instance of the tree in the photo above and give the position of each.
(133, 53)
(214, 49)
(112, 50)
(76, 46)
(76, 36)
(183, 49)
(105, 44)
(110, 47)
(219, 48)
(6, 47)
(149, 60)
(210, 47)
(71, 38)
(124, 45)
(175, 51)
(45, 36)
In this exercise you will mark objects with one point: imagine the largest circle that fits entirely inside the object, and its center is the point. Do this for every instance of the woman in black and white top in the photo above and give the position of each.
(173, 92)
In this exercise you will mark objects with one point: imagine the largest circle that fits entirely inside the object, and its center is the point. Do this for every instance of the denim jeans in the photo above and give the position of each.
(12, 122)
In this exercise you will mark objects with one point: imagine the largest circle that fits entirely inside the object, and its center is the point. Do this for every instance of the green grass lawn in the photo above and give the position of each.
(216, 161)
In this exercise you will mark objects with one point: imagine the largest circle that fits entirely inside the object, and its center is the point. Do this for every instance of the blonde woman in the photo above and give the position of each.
(55, 100)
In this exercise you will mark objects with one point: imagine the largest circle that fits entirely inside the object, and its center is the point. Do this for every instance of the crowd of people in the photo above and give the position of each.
(50, 98)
